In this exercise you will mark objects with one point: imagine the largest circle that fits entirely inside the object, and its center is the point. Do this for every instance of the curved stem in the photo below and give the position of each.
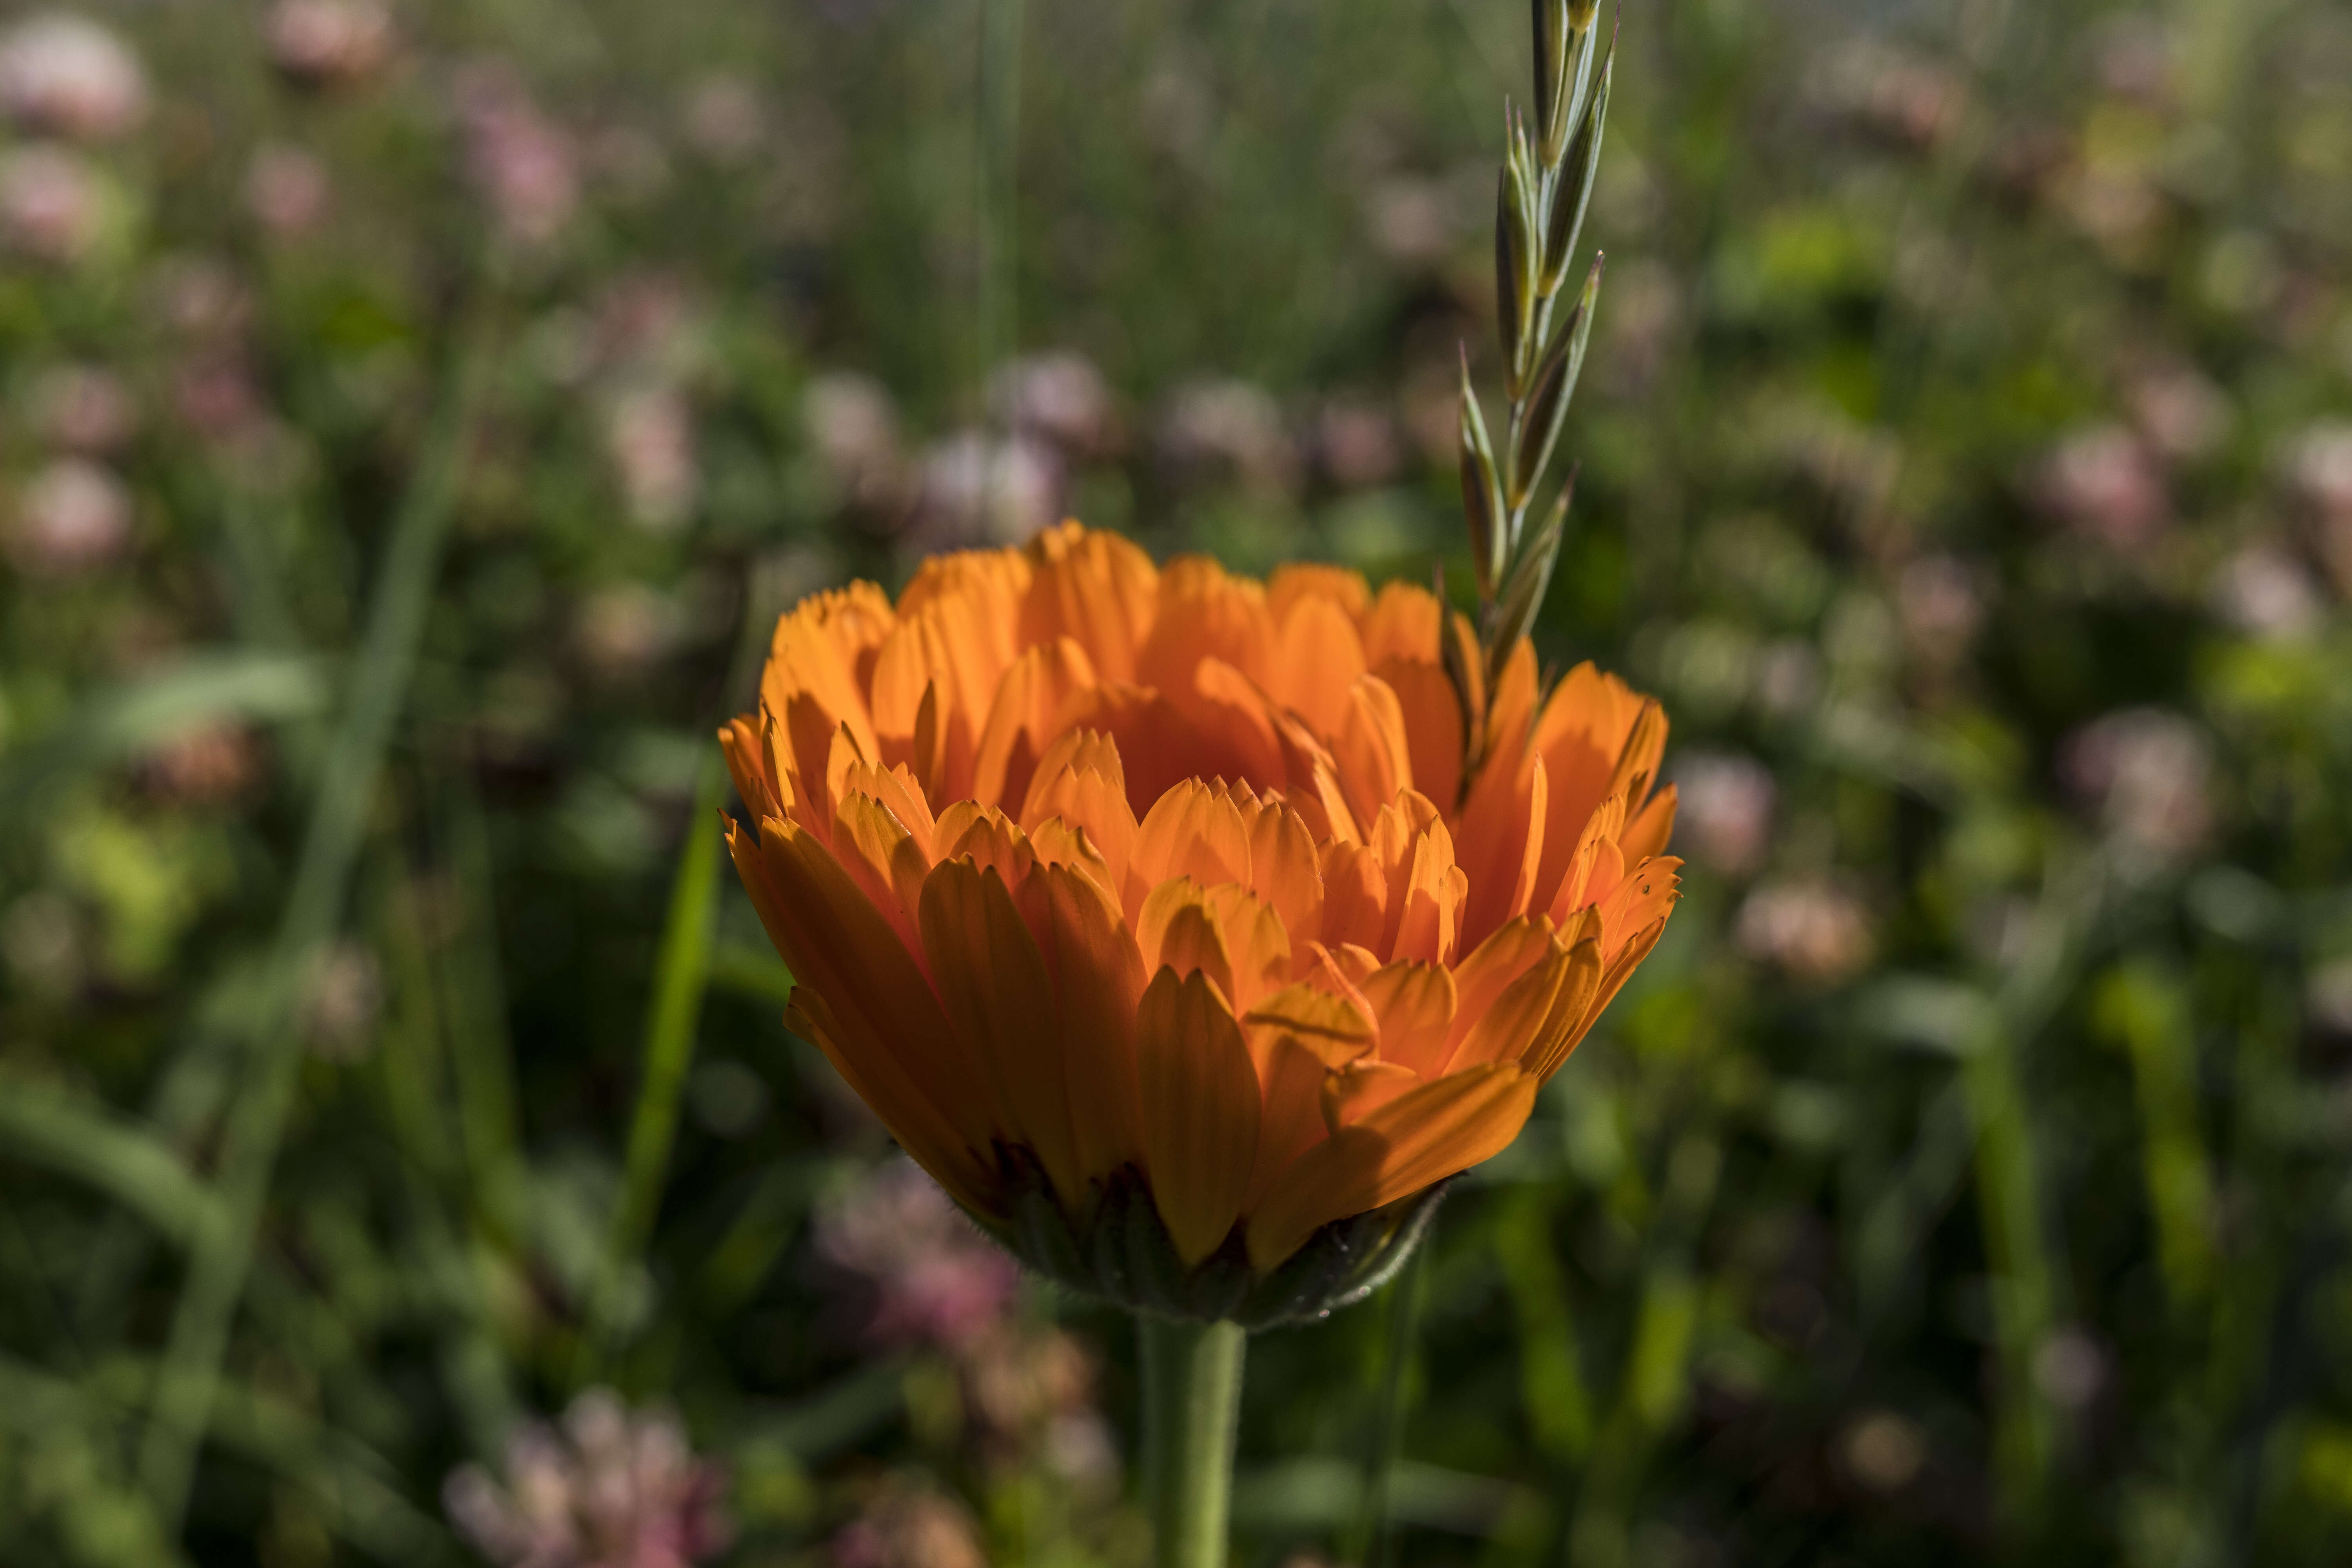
(1191, 1402)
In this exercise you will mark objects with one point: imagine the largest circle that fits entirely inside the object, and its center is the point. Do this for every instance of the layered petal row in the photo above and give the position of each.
(1098, 869)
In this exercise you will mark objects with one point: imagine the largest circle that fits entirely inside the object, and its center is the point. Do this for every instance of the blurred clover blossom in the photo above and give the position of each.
(612, 1488)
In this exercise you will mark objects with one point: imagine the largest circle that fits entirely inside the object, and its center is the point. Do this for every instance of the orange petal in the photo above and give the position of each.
(1613, 980)
(842, 947)
(883, 857)
(1031, 707)
(1514, 1024)
(1294, 584)
(1329, 1026)
(1177, 929)
(1415, 1140)
(1204, 613)
(1256, 941)
(1415, 1004)
(1316, 658)
(1433, 726)
(999, 1002)
(1403, 626)
(1291, 1075)
(824, 651)
(1368, 747)
(1192, 831)
(1286, 871)
(1098, 983)
(1652, 827)
(1355, 896)
(1490, 970)
(1094, 588)
(1646, 896)
(1583, 877)
(1571, 1010)
(1354, 1092)
(929, 1138)
(1200, 1109)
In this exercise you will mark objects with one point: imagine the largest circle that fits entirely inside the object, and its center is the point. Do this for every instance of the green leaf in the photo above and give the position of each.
(1578, 169)
(1482, 491)
(76, 1136)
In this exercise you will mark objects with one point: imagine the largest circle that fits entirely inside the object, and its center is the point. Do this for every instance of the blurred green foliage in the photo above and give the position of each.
(407, 420)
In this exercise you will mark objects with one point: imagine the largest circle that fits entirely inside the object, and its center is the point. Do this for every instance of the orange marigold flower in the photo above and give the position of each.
(1158, 897)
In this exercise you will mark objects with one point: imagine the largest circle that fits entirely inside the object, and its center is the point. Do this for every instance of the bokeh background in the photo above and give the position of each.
(411, 413)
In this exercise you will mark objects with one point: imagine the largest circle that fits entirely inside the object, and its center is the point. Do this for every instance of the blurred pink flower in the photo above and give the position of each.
(624, 632)
(526, 165)
(2134, 58)
(1940, 607)
(328, 43)
(208, 765)
(649, 435)
(1814, 929)
(1357, 443)
(2319, 469)
(1232, 428)
(854, 426)
(286, 190)
(215, 396)
(2147, 775)
(2180, 414)
(84, 408)
(71, 518)
(611, 1489)
(202, 299)
(2318, 466)
(725, 118)
(1888, 91)
(909, 1526)
(52, 204)
(2105, 483)
(342, 1002)
(1724, 816)
(1057, 396)
(2264, 591)
(61, 74)
(976, 491)
(937, 1281)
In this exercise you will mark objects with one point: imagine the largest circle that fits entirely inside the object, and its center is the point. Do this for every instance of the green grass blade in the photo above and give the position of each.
(83, 1138)
(681, 979)
(401, 602)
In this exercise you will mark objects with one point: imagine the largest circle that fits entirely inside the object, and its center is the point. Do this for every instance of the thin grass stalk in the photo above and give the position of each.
(2009, 1208)
(189, 1373)
(1368, 1540)
(998, 145)
(472, 998)
(681, 980)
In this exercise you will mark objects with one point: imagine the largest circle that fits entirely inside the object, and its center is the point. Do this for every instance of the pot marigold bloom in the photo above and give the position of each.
(1156, 912)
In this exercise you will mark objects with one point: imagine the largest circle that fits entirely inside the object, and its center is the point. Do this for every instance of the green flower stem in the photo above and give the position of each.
(1191, 1402)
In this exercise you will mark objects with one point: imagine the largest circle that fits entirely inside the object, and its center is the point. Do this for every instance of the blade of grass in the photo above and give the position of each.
(681, 980)
(84, 1140)
(473, 999)
(997, 147)
(401, 603)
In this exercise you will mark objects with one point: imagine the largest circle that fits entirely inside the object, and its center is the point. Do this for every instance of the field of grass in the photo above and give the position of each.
(413, 419)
